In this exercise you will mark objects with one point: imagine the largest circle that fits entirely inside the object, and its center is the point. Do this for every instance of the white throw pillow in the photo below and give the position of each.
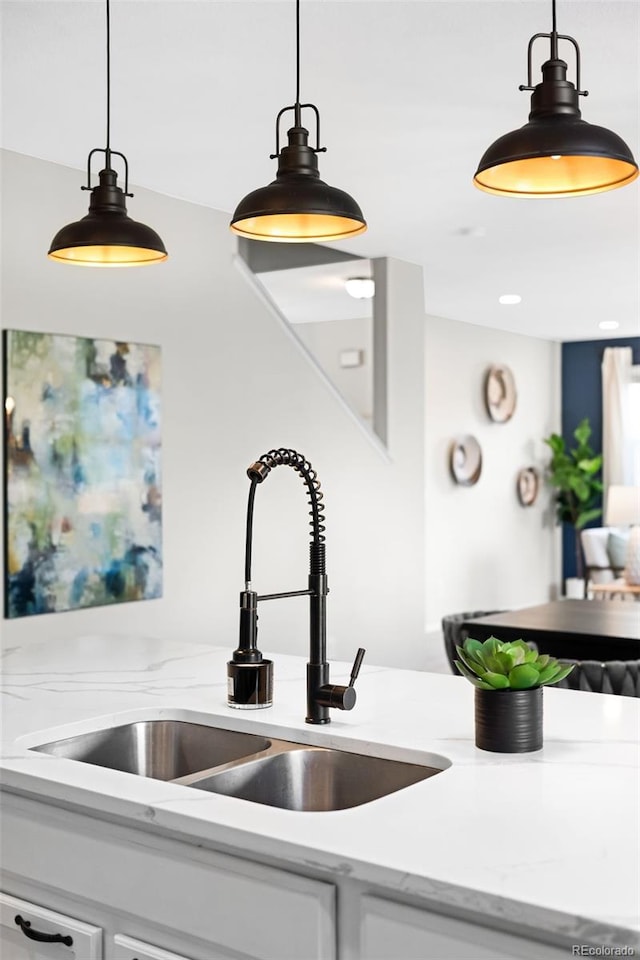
(594, 545)
(617, 546)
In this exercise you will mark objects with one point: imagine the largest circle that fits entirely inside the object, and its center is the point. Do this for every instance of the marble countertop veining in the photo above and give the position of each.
(548, 838)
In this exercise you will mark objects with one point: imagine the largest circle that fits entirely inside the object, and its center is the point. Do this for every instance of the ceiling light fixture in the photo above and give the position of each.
(608, 324)
(107, 236)
(361, 288)
(477, 233)
(555, 154)
(298, 207)
(508, 299)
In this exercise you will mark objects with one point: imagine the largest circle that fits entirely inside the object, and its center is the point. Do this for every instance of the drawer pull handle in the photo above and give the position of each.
(25, 926)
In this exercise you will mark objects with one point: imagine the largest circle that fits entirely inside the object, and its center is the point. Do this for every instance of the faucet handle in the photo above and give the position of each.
(357, 663)
(337, 695)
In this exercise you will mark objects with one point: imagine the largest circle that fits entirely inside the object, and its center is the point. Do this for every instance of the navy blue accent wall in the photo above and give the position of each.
(582, 397)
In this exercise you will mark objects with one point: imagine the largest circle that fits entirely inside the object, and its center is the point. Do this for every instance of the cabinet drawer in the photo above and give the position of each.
(127, 949)
(23, 924)
(394, 931)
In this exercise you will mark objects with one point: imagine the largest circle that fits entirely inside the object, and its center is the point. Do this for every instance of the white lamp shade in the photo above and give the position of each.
(361, 288)
(623, 506)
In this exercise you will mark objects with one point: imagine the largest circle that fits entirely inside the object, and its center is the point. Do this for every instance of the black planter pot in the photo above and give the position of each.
(509, 721)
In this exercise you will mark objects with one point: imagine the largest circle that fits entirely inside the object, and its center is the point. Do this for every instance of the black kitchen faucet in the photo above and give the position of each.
(249, 676)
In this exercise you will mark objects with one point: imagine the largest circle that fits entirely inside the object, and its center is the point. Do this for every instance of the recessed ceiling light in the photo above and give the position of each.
(362, 288)
(476, 232)
(509, 298)
(608, 324)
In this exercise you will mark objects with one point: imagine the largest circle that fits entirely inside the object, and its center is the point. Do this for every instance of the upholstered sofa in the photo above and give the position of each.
(604, 551)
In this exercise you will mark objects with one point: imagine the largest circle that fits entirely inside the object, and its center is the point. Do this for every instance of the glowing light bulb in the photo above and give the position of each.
(362, 288)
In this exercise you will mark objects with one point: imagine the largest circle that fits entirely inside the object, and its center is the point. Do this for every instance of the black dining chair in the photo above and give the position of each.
(621, 677)
(455, 634)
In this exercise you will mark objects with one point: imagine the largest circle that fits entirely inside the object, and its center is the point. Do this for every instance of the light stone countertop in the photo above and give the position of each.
(544, 839)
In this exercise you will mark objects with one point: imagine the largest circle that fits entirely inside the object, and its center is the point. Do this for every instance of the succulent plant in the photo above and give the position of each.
(493, 665)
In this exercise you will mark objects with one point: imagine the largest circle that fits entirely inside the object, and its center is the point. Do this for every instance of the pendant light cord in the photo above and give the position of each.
(554, 32)
(108, 149)
(297, 113)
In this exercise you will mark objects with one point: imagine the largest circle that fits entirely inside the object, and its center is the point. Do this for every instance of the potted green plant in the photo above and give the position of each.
(508, 678)
(574, 473)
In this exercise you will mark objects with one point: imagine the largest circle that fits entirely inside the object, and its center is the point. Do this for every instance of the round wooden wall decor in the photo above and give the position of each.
(528, 486)
(465, 460)
(500, 394)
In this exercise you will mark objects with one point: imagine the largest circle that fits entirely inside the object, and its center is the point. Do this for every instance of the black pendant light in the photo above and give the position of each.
(107, 237)
(298, 207)
(555, 154)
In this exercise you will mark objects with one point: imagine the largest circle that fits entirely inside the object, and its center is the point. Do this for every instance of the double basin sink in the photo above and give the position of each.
(279, 773)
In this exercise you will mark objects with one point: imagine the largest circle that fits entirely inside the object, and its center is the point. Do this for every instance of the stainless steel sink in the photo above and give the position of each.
(314, 778)
(160, 749)
(278, 773)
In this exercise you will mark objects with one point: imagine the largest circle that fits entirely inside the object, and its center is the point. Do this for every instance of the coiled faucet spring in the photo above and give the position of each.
(260, 470)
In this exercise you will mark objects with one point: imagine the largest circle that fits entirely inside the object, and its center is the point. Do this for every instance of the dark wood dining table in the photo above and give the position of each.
(574, 629)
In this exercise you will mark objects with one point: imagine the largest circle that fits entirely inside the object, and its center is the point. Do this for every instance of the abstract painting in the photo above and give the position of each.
(83, 472)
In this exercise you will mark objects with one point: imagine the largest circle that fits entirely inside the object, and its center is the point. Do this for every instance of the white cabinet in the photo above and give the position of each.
(152, 943)
(217, 905)
(155, 898)
(125, 948)
(30, 932)
(395, 931)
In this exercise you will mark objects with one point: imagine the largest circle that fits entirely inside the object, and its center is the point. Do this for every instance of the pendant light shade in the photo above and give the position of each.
(298, 207)
(555, 154)
(107, 236)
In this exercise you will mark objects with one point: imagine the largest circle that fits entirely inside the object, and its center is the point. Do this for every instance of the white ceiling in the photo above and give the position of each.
(410, 92)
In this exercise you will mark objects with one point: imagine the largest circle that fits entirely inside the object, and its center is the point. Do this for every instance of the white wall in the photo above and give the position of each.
(326, 340)
(483, 550)
(235, 385)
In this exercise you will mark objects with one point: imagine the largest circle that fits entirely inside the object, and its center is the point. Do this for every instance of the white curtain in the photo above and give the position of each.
(617, 459)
